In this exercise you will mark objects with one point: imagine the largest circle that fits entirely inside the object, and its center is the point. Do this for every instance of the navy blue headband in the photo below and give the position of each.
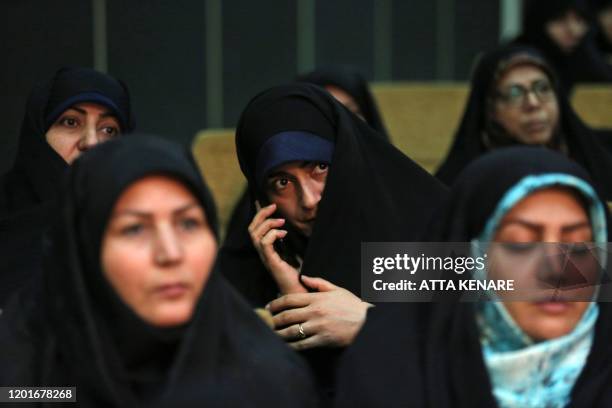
(288, 146)
(93, 97)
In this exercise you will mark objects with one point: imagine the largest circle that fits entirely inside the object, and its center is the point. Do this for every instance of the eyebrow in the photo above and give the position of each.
(543, 79)
(104, 114)
(539, 228)
(143, 214)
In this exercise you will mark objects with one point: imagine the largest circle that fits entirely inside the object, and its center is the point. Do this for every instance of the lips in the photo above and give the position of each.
(536, 126)
(553, 308)
(172, 290)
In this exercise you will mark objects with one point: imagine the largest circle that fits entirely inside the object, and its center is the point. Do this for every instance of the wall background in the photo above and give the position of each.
(192, 64)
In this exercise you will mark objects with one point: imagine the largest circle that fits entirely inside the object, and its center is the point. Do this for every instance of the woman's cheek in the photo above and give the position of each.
(127, 267)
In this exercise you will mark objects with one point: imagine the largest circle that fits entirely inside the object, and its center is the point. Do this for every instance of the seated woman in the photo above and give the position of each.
(603, 20)
(514, 100)
(325, 182)
(135, 311)
(527, 353)
(562, 31)
(350, 89)
(65, 116)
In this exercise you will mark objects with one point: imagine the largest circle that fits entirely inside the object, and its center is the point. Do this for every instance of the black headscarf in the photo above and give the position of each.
(602, 41)
(582, 144)
(373, 192)
(89, 338)
(352, 82)
(28, 192)
(34, 178)
(429, 354)
(583, 64)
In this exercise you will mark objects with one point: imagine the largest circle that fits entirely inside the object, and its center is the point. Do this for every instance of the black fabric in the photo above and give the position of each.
(583, 144)
(583, 64)
(602, 42)
(34, 178)
(373, 191)
(429, 354)
(352, 82)
(84, 335)
(28, 192)
(237, 240)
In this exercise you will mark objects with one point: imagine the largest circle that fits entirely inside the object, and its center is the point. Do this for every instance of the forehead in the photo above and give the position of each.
(154, 192)
(542, 206)
(523, 74)
(290, 167)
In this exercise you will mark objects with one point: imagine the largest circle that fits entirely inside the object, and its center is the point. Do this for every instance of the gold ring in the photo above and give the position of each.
(301, 331)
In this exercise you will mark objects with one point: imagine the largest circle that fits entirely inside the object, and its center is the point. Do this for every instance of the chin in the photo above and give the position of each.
(551, 330)
(304, 230)
(173, 316)
(551, 327)
(537, 138)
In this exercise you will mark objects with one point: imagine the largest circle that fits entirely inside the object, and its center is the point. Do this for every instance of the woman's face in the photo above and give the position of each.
(296, 188)
(81, 127)
(158, 250)
(345, 99)
(549, 215)
(526, 105)
(567, 31)
(605, 21)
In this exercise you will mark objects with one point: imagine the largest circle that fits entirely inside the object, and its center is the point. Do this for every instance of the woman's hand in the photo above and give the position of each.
(330, 317)
(264, 232)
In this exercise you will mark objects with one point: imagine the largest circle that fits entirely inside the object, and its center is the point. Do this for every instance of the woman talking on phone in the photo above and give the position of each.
(324, 182)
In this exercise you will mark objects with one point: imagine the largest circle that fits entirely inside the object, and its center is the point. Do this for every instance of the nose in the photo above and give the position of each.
(551, 269)
(532, 101)
(575, 28)
(168, 249)
(310, 197)
(88, 139)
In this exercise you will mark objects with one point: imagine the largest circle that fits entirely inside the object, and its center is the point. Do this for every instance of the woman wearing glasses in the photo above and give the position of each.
(515, 100)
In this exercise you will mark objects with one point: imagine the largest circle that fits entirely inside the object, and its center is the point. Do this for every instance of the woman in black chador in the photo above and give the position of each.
(547, 351)
(65, 115)
(602, 10)
(134, 311)
(325, 182)
(562, 30)
(350, 89)
(514, 100)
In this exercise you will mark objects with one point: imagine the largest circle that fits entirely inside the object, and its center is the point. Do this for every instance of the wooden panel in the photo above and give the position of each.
(421, 118)
(215, 153)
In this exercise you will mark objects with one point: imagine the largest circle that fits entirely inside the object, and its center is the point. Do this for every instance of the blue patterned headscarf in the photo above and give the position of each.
(525, 373)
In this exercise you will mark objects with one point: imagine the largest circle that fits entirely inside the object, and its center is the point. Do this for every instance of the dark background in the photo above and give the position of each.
(159, 49)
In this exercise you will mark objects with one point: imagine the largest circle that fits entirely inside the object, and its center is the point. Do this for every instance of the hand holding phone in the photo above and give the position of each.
(264, 232)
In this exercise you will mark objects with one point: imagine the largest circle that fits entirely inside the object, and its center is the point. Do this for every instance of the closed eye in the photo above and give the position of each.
(519, 247)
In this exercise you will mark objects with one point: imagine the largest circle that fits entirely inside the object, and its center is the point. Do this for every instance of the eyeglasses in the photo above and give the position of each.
(516, 95)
